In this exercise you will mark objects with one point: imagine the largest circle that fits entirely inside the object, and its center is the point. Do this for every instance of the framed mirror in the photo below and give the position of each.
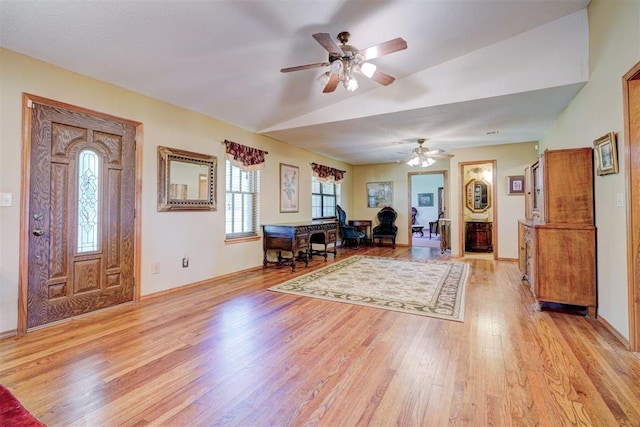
(186, 180)
(478, 195)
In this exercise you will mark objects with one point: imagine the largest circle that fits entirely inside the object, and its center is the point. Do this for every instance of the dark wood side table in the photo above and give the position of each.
(363, 225)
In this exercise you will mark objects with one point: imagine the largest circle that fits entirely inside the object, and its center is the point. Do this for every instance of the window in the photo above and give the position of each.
(242, 202)
(88, 198)
(324, 197)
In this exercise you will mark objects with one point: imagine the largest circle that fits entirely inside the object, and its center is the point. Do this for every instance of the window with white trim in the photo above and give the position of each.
(324, 197)
(242, 202)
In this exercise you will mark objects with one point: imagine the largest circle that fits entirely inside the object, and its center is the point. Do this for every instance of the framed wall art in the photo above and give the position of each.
(379, 194)
(289, 176)
(425, 199)
(515, 185)
(606, 153)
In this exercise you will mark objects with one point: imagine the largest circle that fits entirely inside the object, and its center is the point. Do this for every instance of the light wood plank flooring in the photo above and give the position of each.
(232, 353)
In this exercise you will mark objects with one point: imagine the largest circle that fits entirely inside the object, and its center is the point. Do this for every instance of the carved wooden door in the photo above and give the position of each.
(81, 214)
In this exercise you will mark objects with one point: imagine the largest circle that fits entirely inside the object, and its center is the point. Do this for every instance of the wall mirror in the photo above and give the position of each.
(478, 195)
(186, 180)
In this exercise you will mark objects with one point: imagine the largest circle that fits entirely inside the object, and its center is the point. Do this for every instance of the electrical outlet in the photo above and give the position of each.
(185, 262)
(155, 268)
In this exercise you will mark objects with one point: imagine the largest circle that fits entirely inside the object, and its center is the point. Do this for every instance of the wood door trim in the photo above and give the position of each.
(27, 102)
(494, 205)
(632, 167)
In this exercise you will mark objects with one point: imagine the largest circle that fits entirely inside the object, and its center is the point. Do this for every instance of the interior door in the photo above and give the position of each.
(80, 214)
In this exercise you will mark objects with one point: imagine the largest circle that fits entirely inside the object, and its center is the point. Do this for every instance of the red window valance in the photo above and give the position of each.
(246, 158)
(327, 174)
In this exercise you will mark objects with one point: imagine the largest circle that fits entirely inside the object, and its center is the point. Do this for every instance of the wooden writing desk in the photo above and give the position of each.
(296, 237)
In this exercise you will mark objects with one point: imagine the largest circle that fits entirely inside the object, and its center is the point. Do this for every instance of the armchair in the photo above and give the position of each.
(347, 232)
(434, 226)
(386, 229)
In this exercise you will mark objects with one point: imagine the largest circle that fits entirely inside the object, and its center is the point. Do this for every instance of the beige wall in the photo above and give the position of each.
(167, 237)
(614, 28)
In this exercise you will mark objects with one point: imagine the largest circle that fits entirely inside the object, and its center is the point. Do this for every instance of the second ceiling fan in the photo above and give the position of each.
(345, 61)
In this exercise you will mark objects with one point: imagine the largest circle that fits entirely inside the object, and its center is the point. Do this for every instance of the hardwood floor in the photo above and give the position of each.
(232, 353)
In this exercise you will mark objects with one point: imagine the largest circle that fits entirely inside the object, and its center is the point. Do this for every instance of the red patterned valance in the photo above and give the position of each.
(327, 174)
(246, 158)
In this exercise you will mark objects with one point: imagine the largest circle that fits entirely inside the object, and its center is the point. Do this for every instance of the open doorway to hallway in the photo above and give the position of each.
(428, 203)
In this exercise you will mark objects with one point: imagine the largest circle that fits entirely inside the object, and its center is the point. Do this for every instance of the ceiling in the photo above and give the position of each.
(475, 73)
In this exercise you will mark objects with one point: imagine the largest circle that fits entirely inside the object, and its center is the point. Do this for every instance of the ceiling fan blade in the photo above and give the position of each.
(439, 155)
(383, 48)
(304, 67)
(328, 43)
(332, 84)
(382, 78)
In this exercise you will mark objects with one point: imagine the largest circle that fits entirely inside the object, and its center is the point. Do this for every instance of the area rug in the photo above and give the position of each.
(12, 413)
(426, 288)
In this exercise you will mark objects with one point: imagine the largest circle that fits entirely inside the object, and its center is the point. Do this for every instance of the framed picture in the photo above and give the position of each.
(606, 152)
(289, 177)
(379, 194)
(515, 185)
(425, 199)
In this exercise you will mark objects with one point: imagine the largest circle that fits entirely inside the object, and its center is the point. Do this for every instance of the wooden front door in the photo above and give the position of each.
(81, 222)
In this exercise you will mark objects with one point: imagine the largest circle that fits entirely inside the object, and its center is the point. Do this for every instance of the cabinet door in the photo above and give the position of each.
(566, 266)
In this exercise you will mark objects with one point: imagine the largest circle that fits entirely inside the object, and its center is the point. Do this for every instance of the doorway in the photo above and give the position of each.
(631, 94)
(428, 200)
(478, 213)
(78, 227)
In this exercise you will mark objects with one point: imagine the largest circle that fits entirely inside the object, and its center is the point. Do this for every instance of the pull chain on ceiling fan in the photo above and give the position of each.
(345, 61)
(424, 157)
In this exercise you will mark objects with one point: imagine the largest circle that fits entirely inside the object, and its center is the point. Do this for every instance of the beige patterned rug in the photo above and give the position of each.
(426, 288)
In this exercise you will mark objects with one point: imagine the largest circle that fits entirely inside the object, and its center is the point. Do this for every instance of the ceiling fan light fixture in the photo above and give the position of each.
(368, 69)
(323, 79)
(351, 84)
(423, 162)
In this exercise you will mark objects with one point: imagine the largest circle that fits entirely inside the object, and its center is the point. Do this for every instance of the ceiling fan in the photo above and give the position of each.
(346, 60)
(424, 157)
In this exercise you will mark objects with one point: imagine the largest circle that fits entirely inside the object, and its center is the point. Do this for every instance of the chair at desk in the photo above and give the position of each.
(386, 229)
(434, 226)
(415, 228)
(347, 232)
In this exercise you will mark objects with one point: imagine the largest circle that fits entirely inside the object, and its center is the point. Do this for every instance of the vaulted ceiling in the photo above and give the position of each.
(475, 72)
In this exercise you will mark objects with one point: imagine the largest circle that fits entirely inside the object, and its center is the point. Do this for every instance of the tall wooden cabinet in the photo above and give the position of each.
(557, 248)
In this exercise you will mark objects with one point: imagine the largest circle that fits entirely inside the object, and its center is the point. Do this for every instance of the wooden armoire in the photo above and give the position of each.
(557, 238)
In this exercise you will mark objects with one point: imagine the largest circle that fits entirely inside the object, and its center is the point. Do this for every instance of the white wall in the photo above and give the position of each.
(167, 237)
(614, 29)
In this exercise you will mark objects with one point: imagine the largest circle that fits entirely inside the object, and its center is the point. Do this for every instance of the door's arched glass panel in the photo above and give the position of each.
(88, 193)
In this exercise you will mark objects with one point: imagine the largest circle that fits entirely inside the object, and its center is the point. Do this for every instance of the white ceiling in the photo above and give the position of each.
(476, 72)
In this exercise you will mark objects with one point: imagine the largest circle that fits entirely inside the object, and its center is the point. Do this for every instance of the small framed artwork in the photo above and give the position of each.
(606, 152)
(379, 194)
(289, 176)
(425, 199)
(515, 185)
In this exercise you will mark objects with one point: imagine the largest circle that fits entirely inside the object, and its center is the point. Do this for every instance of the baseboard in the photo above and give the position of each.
(8, 334)
(613, 331)
(194, 284)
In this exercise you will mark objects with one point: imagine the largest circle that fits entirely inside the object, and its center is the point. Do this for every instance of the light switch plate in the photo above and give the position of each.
(6, 199)
(620, 200)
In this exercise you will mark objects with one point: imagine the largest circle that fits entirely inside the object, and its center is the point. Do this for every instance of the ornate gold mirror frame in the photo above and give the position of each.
(186, 180)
